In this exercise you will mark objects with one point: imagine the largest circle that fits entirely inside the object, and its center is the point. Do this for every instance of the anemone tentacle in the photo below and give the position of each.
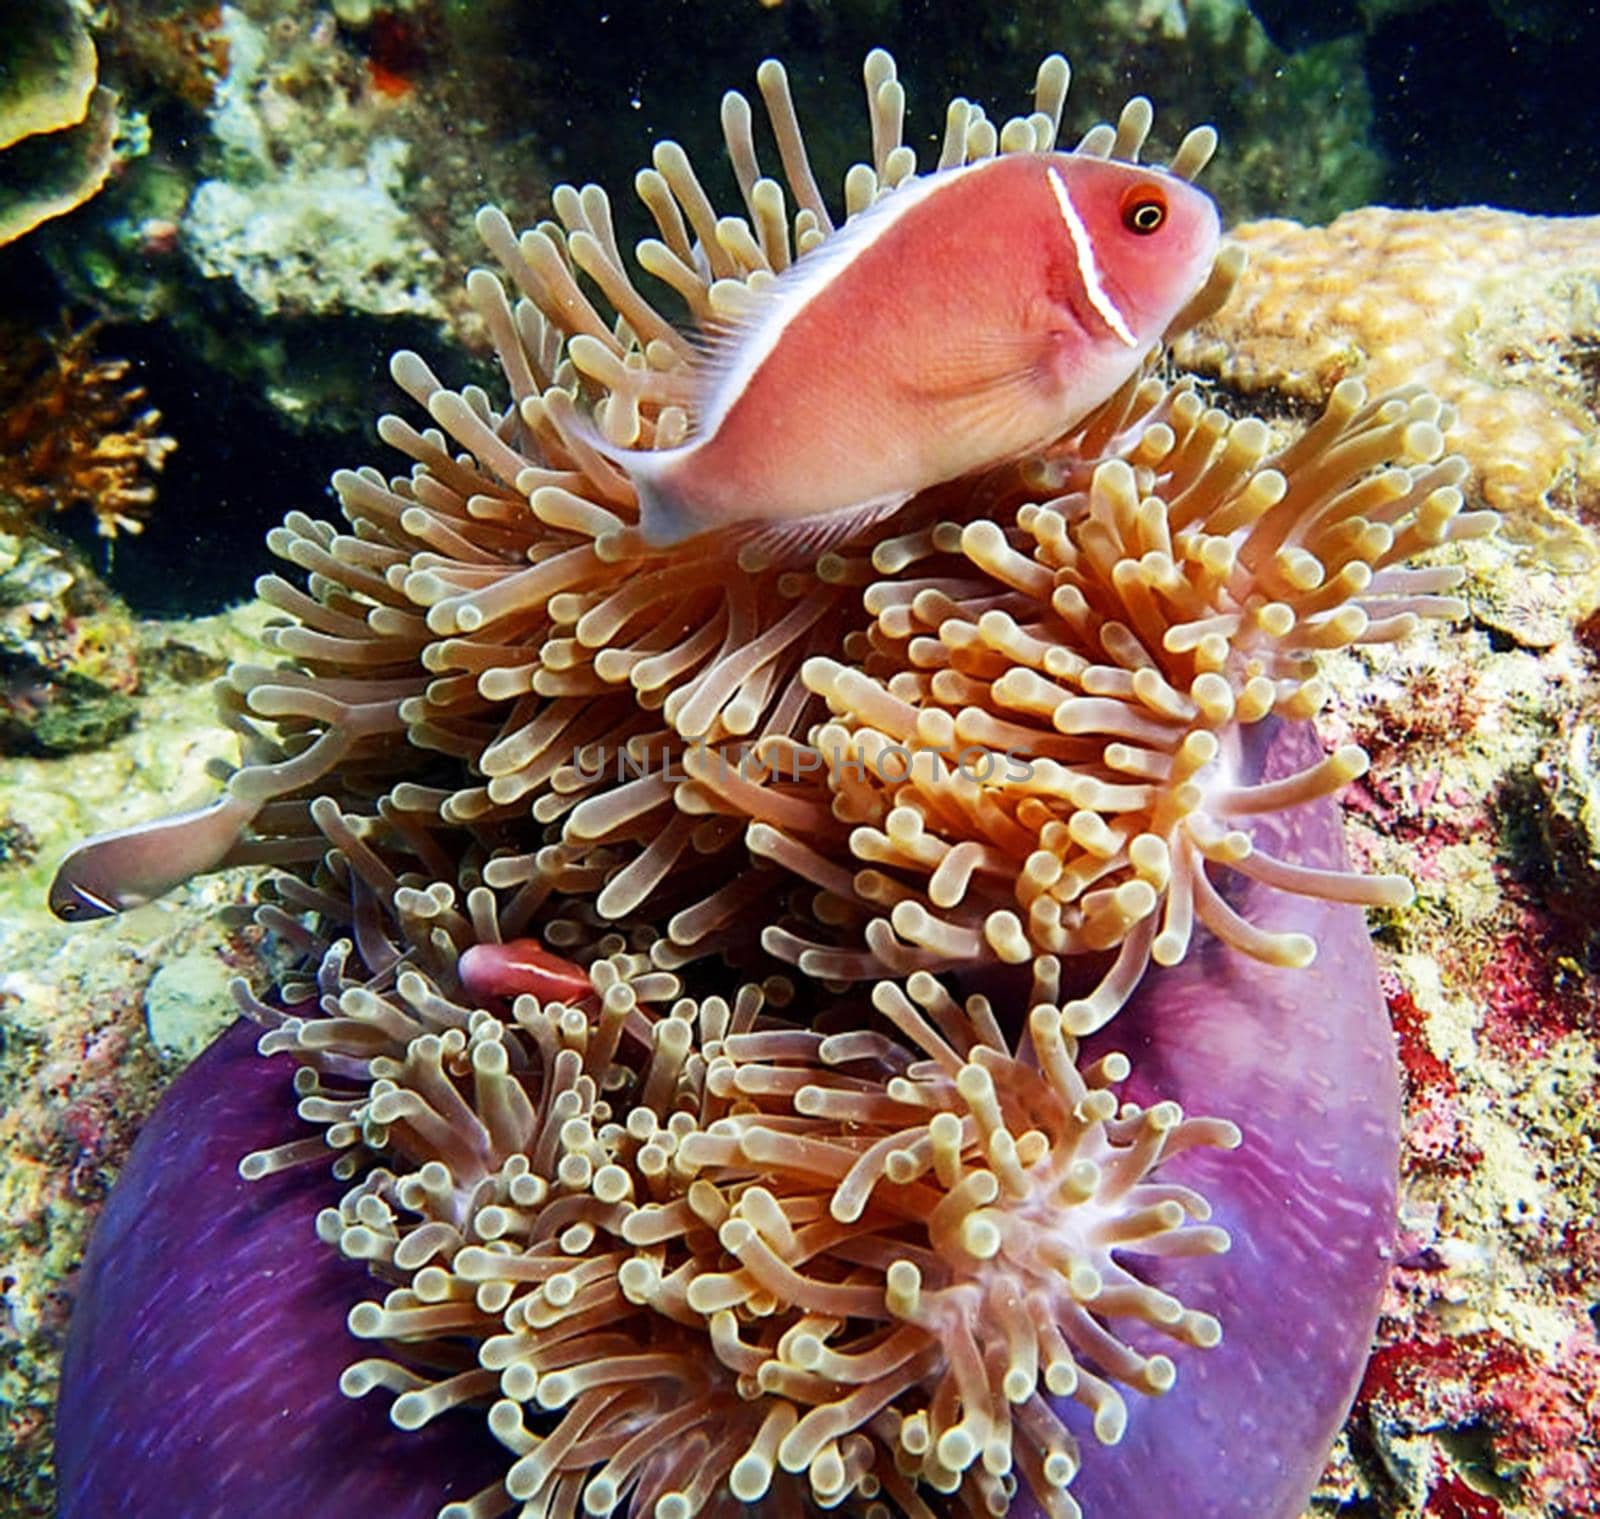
(707, 1256)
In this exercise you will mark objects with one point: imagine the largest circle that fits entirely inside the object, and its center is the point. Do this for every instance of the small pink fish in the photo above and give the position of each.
(127, 867)
(522, 965)
(968, 317)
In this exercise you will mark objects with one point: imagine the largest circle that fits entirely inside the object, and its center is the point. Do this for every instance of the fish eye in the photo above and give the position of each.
(1144, 210)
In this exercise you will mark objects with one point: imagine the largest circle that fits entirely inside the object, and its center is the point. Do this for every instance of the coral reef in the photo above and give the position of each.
(305, 223)
(73, 437)
(1482, 1396)
(455, 636)
(170, 49)
(295, 128)
(1496, 313)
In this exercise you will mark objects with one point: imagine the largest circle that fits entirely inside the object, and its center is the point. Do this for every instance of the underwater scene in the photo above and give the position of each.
(776, 756)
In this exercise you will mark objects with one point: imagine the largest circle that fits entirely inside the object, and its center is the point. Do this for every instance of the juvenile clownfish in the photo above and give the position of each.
(127, 867)
(966, 318)
(505, 971)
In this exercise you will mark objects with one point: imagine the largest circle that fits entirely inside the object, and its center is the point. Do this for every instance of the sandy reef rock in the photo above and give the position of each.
(1498, 313)
(305, 221)
(1482, 1399)
(1482, 1396)
(96, 1018)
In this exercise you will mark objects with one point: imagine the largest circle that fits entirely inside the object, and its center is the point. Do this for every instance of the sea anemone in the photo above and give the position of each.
(497, 607)
(702, 1252)
(1061, 658)
(1035, 750)
(206, 1298)
(699, 1247)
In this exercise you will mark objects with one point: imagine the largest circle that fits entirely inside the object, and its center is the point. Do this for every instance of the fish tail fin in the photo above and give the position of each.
(665, 517)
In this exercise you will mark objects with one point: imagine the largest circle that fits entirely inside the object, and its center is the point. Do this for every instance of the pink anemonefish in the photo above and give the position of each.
(969, 316)
(506, 971)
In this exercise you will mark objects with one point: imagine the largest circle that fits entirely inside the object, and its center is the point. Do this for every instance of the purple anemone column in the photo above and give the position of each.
(1304, 1062)
(202, 1368)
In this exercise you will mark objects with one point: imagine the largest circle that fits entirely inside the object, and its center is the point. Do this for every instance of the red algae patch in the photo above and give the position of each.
(1481, 1398)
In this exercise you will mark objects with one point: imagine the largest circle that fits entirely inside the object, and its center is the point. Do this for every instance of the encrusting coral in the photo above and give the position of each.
(1494, 312)
(57, 125)
(692, 1250)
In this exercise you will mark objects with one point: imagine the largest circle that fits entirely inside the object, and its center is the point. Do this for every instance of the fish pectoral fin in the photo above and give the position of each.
(665, 517)
(801, 539)
(1004, 414)
(1006, 363)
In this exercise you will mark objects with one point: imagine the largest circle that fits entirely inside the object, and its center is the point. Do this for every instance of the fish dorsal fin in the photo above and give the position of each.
(743, 342)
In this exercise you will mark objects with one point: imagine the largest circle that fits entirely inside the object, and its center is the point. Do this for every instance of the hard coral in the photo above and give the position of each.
(1539, 1412)
(73, 434)
(177, 45)
(1496, 313)
(56, 123)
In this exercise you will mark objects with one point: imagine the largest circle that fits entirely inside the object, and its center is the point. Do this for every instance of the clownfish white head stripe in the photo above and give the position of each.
(1088, 270)
(970, 316)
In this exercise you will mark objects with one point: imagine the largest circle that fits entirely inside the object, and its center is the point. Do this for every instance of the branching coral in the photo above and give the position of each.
(71, 433)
